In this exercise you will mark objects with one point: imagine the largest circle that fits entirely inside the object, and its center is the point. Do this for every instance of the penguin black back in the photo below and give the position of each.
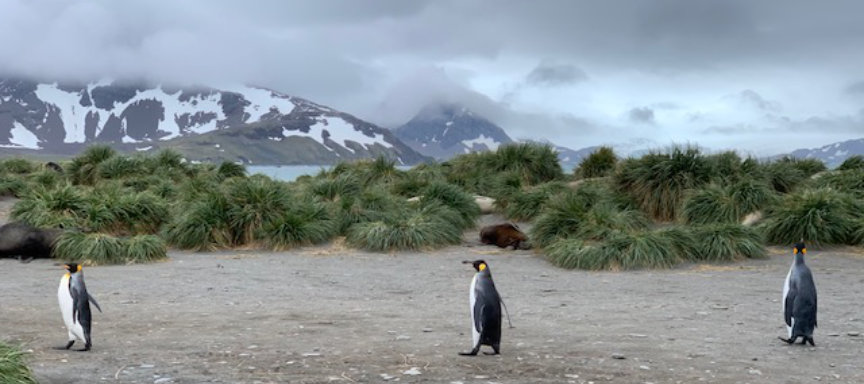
(799, 299)
(485, 309)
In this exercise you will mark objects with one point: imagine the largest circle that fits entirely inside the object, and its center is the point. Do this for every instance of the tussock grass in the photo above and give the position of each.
(13, 370)
(716, 204)
(659, 181)
(144, 249)
(850, 181)
(303, 224)
(90, 248)
(726, 242)
(201, 225)
(619, 251)
(12, 186)
(17, 166)
(335, 188)
(55, 207)
(527, 204)
(600, 163)
(422, 228)
(820, 216)
(251, 203)
(454, 198)
(788, 173)
(84, 169)
(229, 169)
(530, 163)
(852, 163)
(587, 213)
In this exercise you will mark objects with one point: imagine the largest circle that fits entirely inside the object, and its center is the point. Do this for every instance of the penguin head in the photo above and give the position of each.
(479, 265)
(72, 267)
(800, 248)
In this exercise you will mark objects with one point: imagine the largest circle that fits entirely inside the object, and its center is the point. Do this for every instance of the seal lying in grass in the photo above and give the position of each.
(26, 242)
(504, 235)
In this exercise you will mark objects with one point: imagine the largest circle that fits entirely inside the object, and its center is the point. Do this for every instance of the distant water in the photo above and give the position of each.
(286, 172)
(292, 172)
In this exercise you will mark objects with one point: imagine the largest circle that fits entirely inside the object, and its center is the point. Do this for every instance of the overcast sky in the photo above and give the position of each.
(760, 76)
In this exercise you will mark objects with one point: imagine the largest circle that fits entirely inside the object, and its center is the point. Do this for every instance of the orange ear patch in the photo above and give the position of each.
(482, 267)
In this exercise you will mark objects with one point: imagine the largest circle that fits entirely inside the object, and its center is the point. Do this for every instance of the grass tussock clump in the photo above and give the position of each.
(819, 216)
(454, 198)
(304, 223)
(852, 163)
(531, 163)
(51, 207)
(850, 181)
(12, 186)
(426, 227)
(13, 370)
(17, 166)
(726, 242)
(103, 249)
(592, 213)
(659, 181)
(729, 204)
(600, 163)
(527, 204)
(620, 251)
(201, 225)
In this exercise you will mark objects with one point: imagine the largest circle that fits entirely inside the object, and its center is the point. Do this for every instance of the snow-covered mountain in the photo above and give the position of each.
(832, 154)
(61, 118)
(446, 130)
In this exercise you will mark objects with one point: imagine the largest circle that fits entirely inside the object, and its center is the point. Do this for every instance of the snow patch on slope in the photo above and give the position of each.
(262, 101)
(21, 138)
(489, 142)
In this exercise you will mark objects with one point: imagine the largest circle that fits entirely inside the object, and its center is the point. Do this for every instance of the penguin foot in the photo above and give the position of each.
(85, 349)
(787, 341)
(810, 340)
(472, 353)
(68, 345)
(491, 353)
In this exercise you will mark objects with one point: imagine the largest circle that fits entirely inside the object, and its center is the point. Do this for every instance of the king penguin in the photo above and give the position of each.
(485, 310)
(799, 299)
(75, 306)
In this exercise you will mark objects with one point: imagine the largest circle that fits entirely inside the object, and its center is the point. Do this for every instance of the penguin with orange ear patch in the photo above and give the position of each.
(75, 306)
(799, 299)
(485, 310)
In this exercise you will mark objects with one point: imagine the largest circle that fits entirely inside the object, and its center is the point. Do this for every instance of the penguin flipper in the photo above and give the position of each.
(789, 303)
(93, 300)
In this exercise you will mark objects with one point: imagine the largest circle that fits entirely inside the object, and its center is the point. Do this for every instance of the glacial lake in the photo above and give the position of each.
(292, 172)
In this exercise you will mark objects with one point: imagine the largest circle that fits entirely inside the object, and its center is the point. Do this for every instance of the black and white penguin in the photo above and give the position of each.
(75, 306)
(485, 310)
(799, 299)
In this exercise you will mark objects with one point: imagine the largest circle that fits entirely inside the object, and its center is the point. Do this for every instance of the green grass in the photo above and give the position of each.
(17, 166)
(819, 216)
(480, 172)
(852, 163)
(587, 213)
(12, 186)
(727, 242)
(251, 203)
(55, 207)
(659, 181)
(729, 204)
(303, 224)
(201, 225)
(850, 181)
(599, 163)
(13, 369)
(526, 205)
(144, 249)
(426, 227)
(620, 251)
(454, 198)
(90, 248)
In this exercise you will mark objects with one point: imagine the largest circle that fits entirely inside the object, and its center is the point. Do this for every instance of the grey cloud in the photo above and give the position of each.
(552, 74)
(751, 98)
(641, 115)
(773, 124)
(856, 88)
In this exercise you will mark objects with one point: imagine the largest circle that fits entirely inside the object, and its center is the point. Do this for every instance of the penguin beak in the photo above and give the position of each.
(467, 262)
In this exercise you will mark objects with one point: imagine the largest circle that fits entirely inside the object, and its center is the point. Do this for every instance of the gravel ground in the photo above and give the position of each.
(331, 314)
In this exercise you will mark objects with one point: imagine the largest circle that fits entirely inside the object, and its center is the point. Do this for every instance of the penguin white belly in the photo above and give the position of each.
(475, 334)
(786, 293)
(64, 297)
